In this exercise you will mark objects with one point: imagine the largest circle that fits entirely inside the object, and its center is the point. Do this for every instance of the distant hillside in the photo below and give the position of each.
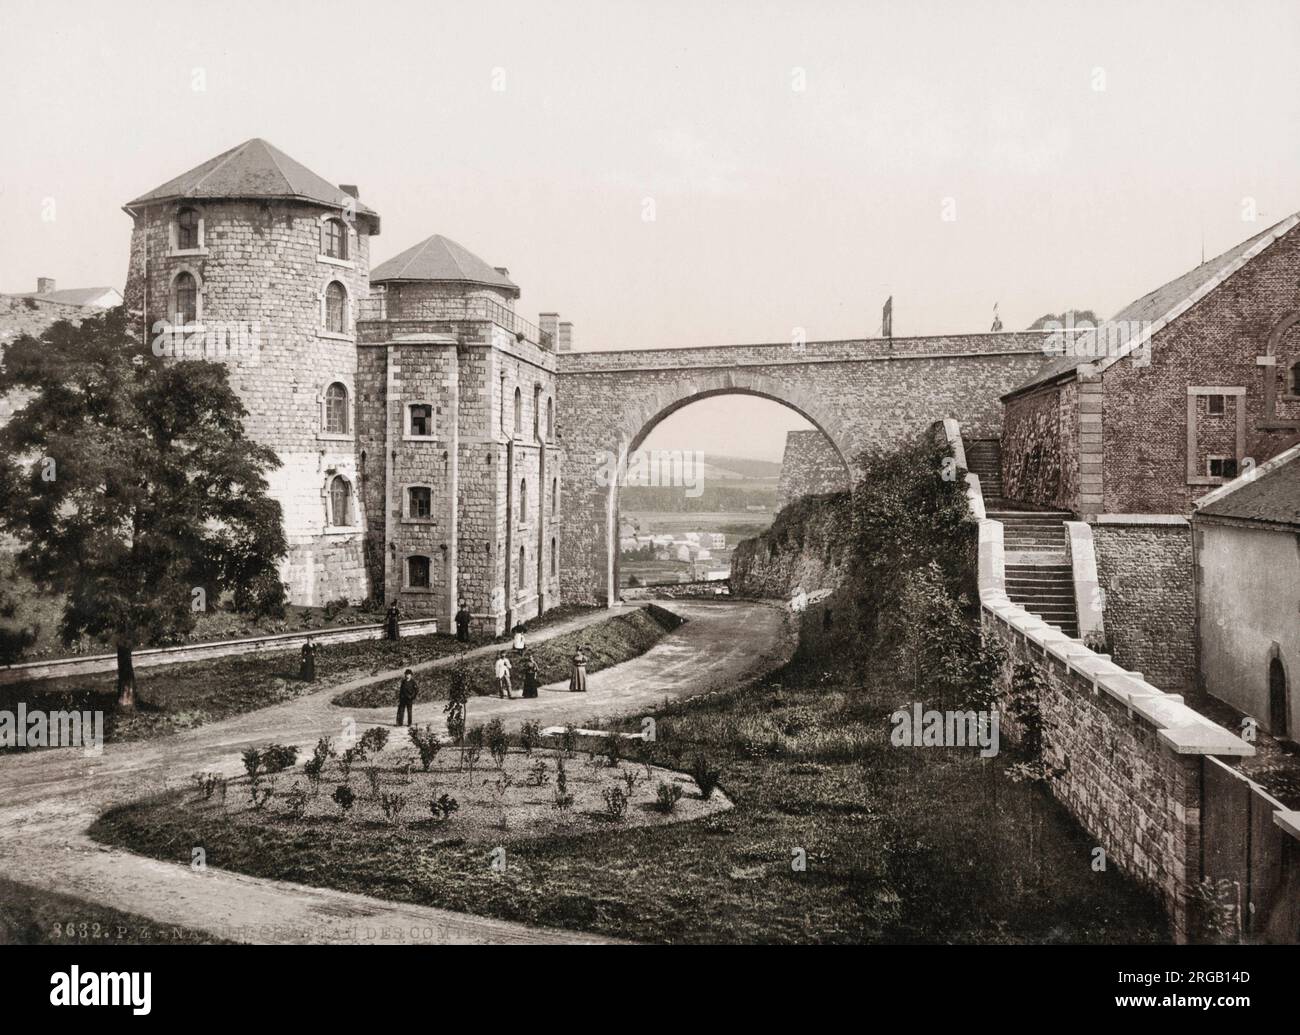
(740, 467)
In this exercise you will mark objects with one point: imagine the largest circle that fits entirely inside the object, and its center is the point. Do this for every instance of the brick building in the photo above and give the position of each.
(1176, 394)
(415, 425)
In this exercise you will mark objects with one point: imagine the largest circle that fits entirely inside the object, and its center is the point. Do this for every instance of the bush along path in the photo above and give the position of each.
(606, 643)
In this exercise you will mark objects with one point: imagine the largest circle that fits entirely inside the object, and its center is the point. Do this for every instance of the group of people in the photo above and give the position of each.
(504, 668)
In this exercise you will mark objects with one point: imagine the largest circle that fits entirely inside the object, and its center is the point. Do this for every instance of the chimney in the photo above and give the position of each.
(549, 325)
(351, 189)
(44, 285)
(564, 343)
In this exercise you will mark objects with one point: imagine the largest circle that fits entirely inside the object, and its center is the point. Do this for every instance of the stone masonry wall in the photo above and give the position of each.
(859, 393)
(810, 466)
(804, 550)
(262, 279)
(1039, 448)
(1145, 571)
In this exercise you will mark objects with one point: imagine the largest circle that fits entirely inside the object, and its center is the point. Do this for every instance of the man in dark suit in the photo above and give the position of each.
(463, 618)
(406, 694)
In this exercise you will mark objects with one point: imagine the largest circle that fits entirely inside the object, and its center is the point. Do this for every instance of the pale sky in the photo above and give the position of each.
(774, 207)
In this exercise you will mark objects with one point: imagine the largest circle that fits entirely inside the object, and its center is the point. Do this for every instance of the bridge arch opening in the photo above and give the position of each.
(704, 455)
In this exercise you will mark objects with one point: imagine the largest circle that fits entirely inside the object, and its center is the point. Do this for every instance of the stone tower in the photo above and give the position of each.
(254, 259)
(457, 439)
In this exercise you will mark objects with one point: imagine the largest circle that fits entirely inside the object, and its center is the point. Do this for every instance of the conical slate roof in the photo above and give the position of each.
(254, 169)
(440, 258)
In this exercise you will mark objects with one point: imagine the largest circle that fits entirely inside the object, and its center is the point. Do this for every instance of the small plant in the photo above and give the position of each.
(348, 759)
(530, 735)
(631, 779)
(615, 803)
(458, 693)
(297, 800)
(443, 806)
(221, 785)
(563, 801)
(276, 758)
(497, 743)
(569, 740)
(538, 776)
(471, 755)
(426, 743)
(252, 762)
(374, 740)
(372, 778)
(260, 793)
(393, 804)
(667, 795)
(561, 776)
(344, 798)
(706, 776)
(613, 749)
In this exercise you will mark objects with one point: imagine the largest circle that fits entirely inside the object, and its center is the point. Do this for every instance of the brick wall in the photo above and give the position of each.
(1145, 570)
(1039, 447)
(810, 466)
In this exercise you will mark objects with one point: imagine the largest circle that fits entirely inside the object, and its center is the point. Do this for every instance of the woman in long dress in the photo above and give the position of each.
(578, 675)
(530, 676)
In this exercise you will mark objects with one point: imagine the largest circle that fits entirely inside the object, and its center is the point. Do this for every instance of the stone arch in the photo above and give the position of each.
(642, 416)
(1273, 350)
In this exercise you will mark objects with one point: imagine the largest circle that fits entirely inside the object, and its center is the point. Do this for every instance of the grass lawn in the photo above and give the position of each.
(901, 845)
(177, 697)
(606, 643)
(32, 916)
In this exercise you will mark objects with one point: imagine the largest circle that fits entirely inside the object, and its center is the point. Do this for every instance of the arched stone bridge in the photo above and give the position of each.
(858, 393)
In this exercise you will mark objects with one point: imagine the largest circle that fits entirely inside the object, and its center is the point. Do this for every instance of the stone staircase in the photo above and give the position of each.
(1039, 574)
(984, 458)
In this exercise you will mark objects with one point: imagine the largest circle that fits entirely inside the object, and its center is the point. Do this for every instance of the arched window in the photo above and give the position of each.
(187, 229)
(185, 299)
(519, 412)
(555, 559)
(523, 500)
(1279, 717)
(523, 568)
(417, 572)
(340, 502)
(550, 419)
(336, 409)
(336, 306)
(334, 239)
(555, 496)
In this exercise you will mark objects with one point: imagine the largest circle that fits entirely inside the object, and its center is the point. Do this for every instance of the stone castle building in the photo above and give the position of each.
(412, 410)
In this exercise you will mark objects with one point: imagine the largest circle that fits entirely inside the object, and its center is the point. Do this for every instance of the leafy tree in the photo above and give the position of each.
(131, 485)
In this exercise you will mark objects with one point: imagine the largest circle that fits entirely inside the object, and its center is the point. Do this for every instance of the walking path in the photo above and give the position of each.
(49, 798)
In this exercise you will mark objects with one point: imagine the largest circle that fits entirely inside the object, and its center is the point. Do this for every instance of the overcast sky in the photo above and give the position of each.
(1087, 150)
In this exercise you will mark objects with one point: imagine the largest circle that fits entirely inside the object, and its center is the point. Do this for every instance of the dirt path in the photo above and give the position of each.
(50, 798)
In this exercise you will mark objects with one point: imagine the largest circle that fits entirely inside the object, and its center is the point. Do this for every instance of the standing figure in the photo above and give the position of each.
(307, 670)
(392, 631)
(530, 676)
(503, 675)
(519, 631)
(463, 618)
(406, 693)
(578, 675)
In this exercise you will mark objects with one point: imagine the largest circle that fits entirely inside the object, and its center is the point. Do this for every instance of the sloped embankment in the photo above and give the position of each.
(806, 548)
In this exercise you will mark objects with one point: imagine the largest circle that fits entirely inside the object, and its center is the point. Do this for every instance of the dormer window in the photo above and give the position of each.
(334, 239)
(187, 230)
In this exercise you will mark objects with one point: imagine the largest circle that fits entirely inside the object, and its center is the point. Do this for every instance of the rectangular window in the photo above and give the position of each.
(1222, 466)
(417, 572)
(422, 420)
(1214, 405)
(420, 502)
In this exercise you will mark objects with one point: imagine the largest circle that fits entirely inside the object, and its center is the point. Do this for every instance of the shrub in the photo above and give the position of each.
(426, 743)
(296, 799)
(530, 735)
(276, 758)
(374, 740)
(344, 798)
(335, 607)
(613, 749)
(443, 806)
(630, 778)
(706, 776)
(615, 803)
(667, 795)
(569, 740)
(470, 755)
(260, 793)
(252, 762)
(393, 804)
(497, 743)
(537, 774)
(458, 692)
(348, 759)
(262, 596)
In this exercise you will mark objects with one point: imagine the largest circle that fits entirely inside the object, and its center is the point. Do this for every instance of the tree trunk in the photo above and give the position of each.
(125, 677)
